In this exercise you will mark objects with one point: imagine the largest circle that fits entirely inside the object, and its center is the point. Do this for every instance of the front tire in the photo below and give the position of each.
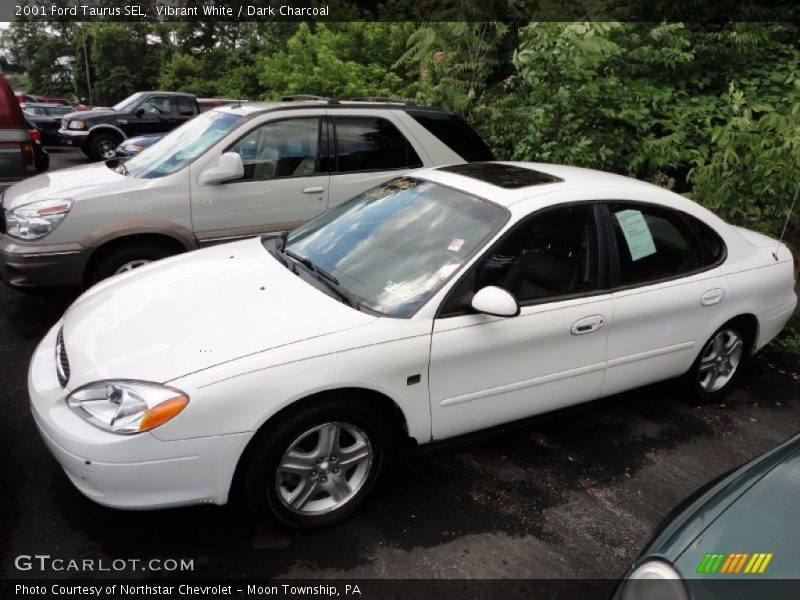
(316, 467)
(126, 258)
(714, 371)
(103, 146)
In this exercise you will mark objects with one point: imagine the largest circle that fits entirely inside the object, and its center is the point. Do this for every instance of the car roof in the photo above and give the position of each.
(253, 109)
(166, 93)
(562, 178)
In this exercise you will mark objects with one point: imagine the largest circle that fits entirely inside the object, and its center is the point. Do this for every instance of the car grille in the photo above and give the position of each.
(64, 123)
(62, 362)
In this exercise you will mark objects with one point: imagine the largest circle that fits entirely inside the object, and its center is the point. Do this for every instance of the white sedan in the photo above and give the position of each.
(457, 299)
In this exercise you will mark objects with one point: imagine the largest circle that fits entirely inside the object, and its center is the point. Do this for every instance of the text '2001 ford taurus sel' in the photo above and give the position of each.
(431, 306)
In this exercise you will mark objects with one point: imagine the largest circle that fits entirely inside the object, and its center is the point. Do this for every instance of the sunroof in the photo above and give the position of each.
(504, 176)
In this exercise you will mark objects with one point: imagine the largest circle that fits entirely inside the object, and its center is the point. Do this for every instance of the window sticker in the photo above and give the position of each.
(637, 233)
(455, 244)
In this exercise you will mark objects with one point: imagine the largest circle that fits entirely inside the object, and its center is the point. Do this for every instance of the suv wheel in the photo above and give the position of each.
(124, 259)
(316, 468)
(103, 146)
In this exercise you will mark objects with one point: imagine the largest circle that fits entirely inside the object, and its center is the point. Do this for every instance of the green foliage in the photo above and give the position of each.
(754, 169)
(123, 60)
(339, 59)
(455, 61)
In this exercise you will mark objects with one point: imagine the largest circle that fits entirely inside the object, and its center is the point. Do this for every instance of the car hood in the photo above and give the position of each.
(96, 114)
(752, 509)
(194, 311)
(763, 519)
(78, 182)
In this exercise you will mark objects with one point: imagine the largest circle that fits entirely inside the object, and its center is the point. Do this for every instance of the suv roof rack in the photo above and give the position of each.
(403, 101)
(302, 97)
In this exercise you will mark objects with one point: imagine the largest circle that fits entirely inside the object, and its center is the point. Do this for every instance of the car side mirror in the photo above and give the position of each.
(139, 111)
(495, 301)
(226, 166)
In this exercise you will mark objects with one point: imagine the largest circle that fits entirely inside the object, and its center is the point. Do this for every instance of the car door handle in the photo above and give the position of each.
(588, 324)
(317, 189)
(712, 297)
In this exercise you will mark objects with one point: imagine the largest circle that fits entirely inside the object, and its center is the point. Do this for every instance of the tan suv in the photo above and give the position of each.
(232, 172)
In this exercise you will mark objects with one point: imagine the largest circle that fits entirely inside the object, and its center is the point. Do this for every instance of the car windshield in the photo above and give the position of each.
(128, 103)
(180, 147)
(392, 247)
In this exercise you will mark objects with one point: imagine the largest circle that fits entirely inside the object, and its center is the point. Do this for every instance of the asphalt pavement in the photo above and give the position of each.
(575, 495)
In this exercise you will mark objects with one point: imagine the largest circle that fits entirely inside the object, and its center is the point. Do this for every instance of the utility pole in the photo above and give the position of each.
(86, 60)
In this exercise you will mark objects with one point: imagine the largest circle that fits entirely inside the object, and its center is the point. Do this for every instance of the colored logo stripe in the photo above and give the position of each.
(734, 562)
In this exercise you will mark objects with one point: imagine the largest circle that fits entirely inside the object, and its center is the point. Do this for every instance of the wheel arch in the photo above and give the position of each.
(109, 244)
(106, 128)
(394, 415)
(750, 326)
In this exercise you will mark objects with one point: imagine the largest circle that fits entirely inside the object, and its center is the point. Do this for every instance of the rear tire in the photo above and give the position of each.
(103, 146)
(316, 467)
(719, 363)
(125, 258)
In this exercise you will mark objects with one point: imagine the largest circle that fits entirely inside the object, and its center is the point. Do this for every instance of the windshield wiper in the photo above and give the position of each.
(308, 263)
(326, 278)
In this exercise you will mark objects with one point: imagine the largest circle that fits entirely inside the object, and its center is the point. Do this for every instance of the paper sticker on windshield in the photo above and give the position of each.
(455, 244)
(637, 233)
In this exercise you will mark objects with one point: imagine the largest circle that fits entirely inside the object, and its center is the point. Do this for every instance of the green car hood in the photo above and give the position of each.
(753, 509)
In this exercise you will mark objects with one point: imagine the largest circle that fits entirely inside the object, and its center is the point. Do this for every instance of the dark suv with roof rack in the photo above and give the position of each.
(232, 172)
(98, 132)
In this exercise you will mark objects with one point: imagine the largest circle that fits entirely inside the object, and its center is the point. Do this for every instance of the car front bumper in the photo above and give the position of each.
(28, 266)
(73, 137)
(127, 471)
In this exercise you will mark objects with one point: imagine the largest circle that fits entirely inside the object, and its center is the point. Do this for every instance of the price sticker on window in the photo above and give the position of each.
(455, 244)
(637, 233)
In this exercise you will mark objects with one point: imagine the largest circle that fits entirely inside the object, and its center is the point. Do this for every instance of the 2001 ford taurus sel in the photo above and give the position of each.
(434, 305)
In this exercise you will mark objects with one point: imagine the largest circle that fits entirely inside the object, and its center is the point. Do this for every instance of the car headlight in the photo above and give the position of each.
(76, 125)
(654, 580)
(37, 219)
(126, 406)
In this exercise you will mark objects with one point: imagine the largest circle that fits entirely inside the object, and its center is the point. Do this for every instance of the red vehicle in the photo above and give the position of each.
(209, 103)
(24, 98)
(16, 147)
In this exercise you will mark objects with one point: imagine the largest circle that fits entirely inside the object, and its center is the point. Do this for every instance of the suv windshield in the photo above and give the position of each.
(392, 247)
(128, 103)
(181, 146)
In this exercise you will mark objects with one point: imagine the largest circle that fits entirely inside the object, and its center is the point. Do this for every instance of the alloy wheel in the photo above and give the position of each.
(106, 148)
(719, 360)
(324, 468)
(131, 265)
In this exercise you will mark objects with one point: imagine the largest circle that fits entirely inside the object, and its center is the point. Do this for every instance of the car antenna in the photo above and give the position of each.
(786, 223)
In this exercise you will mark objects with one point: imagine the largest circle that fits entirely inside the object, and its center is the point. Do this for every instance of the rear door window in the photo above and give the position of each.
(186, 106)
(371, 144)
(656, 243)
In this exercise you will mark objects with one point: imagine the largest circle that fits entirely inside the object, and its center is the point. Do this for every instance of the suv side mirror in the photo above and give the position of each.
(227, 166)
(495, 301)
(139, 111)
